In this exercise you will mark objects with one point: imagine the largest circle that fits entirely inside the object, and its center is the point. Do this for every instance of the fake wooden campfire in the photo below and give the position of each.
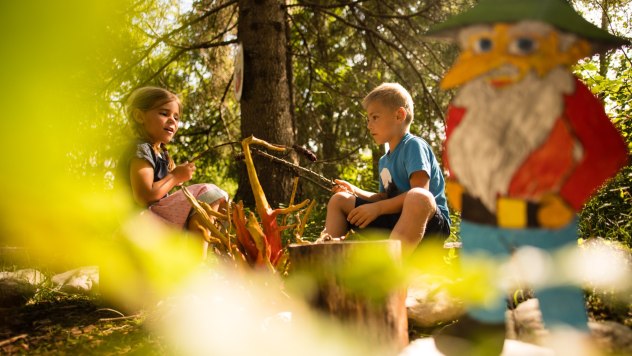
(250, 239)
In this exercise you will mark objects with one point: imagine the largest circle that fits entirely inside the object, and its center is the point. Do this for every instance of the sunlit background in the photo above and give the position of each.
(59, 199)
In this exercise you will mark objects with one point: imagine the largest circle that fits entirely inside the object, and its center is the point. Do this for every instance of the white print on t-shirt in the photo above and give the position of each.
(385, 175)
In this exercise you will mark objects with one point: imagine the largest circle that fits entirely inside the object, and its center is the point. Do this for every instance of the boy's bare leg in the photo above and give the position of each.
(339, 206)
(419, 207)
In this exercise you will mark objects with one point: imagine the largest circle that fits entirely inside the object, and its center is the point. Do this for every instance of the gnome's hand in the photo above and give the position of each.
(554, 212)
(455, 194)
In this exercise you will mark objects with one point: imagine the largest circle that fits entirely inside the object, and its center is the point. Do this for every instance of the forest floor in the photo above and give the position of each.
(70, 324)
(52, 322)
(75, 324)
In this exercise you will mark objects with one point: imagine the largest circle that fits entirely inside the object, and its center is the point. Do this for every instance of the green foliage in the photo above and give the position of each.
(609, 213)
(346, 51)
(361, 173)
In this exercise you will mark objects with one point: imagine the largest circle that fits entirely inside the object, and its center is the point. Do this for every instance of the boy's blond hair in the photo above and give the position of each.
(392, 95)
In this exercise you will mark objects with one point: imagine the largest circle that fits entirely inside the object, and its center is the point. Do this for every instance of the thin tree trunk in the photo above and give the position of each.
(605, 23)
(376, 152)
(330, 144)
(265, 102)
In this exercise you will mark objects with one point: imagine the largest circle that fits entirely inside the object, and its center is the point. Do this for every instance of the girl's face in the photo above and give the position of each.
(160, 123)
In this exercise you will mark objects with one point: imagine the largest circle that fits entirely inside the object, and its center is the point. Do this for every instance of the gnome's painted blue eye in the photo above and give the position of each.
(522, 46)
(483, 45)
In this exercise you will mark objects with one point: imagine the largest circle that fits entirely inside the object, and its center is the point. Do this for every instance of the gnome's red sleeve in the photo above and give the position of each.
(604, 151)
(454, 116)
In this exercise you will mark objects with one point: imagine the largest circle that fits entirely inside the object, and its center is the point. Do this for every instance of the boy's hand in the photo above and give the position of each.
(183, 172)
(363, 215)
(343, 186)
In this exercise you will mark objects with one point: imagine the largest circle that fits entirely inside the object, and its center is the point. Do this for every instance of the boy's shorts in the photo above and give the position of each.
(437, 226)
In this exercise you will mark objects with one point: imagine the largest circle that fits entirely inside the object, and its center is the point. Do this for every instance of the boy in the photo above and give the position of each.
(411, 202)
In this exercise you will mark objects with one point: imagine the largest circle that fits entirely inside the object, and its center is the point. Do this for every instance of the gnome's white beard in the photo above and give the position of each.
(501, 128)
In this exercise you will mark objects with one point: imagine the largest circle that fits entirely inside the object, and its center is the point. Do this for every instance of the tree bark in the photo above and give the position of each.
(377, 151)
(265, 102)
(383, 323)
(605, 23)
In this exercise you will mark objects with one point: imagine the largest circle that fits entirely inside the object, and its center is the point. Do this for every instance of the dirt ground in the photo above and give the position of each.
(81, 325)
(73, 325)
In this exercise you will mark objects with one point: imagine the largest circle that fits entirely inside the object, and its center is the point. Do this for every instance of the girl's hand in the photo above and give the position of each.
(343, 186)
(183, 172)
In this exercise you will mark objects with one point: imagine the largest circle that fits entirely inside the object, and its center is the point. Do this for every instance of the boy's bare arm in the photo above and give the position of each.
(344, 186)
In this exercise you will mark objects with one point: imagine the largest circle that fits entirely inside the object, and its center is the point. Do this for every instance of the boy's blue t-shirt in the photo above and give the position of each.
(412, 154)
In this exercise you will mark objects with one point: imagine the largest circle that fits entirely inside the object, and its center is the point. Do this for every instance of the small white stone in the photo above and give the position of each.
(80, 280)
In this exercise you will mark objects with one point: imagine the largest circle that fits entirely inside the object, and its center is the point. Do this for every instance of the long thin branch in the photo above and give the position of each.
(13, 339)
(195, 158)
(168, 35)
(388, 16)
(221, 104)
(308, 174)
(180, 52)
(363, 27)
(339, 158)
(208, 44)
(118, 318)
(402, 42)
(171, 59)
(405, 57)
(309, 63)
(321, 6)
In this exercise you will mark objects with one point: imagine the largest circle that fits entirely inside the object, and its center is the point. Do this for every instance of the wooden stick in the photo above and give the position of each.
(195, 158)
(298, 169)
(110, 310)
(308, 211)
(294, 189)
(13, 339)
(120, 318)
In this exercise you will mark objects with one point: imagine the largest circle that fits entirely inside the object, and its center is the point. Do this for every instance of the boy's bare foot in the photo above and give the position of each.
(326, 237)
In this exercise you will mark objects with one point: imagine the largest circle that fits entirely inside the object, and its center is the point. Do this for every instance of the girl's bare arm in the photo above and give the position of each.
(145, 190)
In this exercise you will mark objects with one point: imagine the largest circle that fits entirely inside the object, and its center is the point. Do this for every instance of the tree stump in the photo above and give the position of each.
(385, 321)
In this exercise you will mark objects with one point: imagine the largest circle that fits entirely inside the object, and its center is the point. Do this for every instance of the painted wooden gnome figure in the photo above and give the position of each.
(527, 143)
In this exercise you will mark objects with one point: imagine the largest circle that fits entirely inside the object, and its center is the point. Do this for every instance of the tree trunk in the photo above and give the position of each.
(265, 100)
(605, 23)
(330, 144)
(382, 322)
(377, 151)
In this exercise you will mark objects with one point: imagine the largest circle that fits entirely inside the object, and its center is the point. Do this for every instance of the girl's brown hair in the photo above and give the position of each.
(145, 99)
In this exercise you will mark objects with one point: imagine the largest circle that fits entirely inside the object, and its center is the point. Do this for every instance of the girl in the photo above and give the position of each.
(154, 114)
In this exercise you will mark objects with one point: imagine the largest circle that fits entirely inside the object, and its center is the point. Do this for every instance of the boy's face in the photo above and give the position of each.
(384, 123)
